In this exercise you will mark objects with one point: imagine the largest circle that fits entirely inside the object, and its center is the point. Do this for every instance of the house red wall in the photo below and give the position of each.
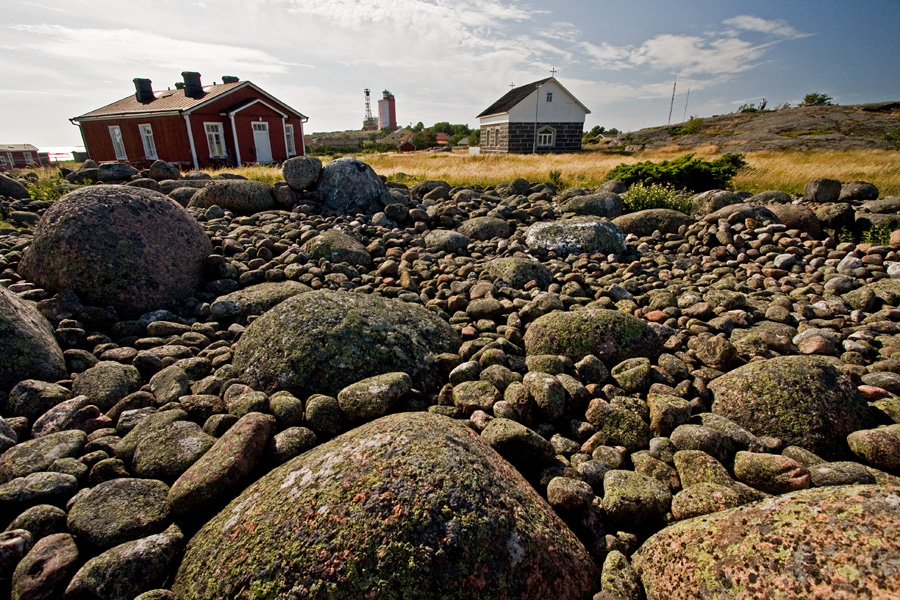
(17, 160)
(169, 135)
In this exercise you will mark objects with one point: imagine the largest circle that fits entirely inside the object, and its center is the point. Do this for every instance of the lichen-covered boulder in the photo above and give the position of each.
(610, 335)
(599, 204)
(834, 542)
(28, 348)
(322, 341)
(38, 454)
(46, 570)
(516, 272)
(126, 247)
(446, 240)
(161, 170)
(803, 400)
(110, 172)
(241, 196)
(710, 201)
(645, 222)
(301, 172)
(577, 235)
(256, 299)
(413, 505)
(485, 228)
(348, 185)
(336, 246)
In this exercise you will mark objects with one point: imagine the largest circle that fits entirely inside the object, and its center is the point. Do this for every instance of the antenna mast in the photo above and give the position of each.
(672, 104)
(688, 97)
(369, 123)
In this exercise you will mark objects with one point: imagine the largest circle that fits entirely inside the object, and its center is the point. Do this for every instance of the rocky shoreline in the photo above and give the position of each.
(337, 387)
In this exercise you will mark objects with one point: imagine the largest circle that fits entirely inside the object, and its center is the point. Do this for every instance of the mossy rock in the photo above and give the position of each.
(516, 272)
(322, 341)
(255, 299)
(485, 228)
(350, 186)
(835, 542)
(337, 247)
(446, 240)
(28, 347)
(577, 235)
(803, 400)
(599, 204)
(610, 335)
(126, 247)
(645, 222)
(413, 505)
(38, 454)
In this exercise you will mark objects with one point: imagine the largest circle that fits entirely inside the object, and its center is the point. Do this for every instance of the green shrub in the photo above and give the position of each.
(817, 99)
(641, 197)
(879, 235)
(684, 173)
(555, 179)
(694, 125)
(47, 188)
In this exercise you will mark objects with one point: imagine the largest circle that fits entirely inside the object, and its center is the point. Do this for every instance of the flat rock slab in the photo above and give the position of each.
(409, 506)
(835, 542)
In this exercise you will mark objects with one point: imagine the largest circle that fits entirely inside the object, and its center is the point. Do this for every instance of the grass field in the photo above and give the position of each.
(786, 171)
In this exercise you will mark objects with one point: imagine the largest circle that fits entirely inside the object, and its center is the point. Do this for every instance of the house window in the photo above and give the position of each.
(549, 96)
(29, 159)
(545, 137)
(215, 139)
(289, 137)
(147, 138)
(493, 141)
(118, 145)
(2, 162)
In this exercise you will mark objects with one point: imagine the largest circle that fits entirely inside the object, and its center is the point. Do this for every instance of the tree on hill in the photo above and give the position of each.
(817, 99)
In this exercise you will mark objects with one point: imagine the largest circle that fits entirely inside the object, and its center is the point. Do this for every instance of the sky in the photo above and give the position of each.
(444, 60)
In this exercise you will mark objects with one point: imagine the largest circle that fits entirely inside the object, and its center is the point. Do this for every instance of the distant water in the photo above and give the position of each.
(60, 153)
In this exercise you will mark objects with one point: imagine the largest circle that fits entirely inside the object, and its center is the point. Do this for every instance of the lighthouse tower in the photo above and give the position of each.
(387, 111)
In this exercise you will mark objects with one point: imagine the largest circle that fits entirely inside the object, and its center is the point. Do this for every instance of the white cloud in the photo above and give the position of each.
(751, 23)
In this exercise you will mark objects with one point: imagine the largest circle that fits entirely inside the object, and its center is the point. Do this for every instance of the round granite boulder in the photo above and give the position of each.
(348, 185)
(485, 228)
(577, 235)
(11, 188)
(516, 272)
(336, 246)
(28, 348)
(832, 542)
(301, 172)
(645, 222)
(803, 400)
(322, 341)
(255, 299)
(241, 196)
(610, 335)
(413, 505)
(443, 240)
(126, 247)
(600, 204)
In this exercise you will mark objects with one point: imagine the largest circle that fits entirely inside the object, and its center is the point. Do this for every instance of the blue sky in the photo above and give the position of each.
(444, 60)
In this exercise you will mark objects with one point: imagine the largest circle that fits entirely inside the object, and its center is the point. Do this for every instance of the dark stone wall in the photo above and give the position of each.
(519, 138)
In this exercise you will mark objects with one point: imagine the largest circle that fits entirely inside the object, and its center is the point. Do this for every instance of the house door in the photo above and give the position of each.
(261, 141)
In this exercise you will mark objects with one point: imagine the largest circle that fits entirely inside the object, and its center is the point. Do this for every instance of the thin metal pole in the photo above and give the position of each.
(671, 104)
(688, 97)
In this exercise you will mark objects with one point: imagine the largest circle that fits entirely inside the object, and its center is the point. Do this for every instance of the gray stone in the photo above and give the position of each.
(576, 236)
(119, 511)
(28, 348)
(242, 197)
(301, 172)
(350, 186)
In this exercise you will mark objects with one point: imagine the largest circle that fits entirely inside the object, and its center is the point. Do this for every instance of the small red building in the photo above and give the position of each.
(224, 124)
(19, 156)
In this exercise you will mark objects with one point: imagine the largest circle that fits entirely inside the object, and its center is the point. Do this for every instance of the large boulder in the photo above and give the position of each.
(160, 170)
(412, 505)
(113, 172)
(348, 185)
(322, 341)
(517, 271)
(577, 235)
(710, 201)
(485, 228)
(797, 216)
(610, 335)
(645, 222)
(11, 188)
(822, 191)
(336, 246)
(241, 196)
(831, 542)
(120, 246)
(301, 172)
(443, 240)
(28, 348)
(803, 400)
(599, 204)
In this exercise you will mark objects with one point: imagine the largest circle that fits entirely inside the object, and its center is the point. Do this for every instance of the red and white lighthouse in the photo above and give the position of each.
(387, 111)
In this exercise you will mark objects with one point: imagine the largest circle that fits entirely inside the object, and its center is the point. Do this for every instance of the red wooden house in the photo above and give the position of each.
(224, 124)
(19, 156)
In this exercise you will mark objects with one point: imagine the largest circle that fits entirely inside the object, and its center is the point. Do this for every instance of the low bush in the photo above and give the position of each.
(694, 125)
(879, 235)
(46, 188)
(684, 173)
(642, 197)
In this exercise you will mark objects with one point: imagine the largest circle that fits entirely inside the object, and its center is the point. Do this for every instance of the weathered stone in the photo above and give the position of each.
(38, 454)
(645, 222)
(255, 299)
(336, 247)
(633, 499)
(46, 570)
(242, 197)
(407, 540)
(577, 235)
(518, 444)
(373, 397)
(119, 511)
(106, 383)
(879, 448)
(28, 348)
(348, 185)
(301, 172)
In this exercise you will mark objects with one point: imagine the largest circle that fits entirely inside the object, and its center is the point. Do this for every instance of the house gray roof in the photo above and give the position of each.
(18, 148)
(512, 97)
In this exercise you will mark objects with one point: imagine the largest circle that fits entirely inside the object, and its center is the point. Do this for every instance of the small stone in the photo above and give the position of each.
(770, 473)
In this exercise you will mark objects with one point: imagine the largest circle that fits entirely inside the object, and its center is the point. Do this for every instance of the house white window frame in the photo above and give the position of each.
(2, 161)
(29, 158)
(147, 139)
(118, 142)
(549, 96)
(546, 137)
(289, 142)
(217, 129)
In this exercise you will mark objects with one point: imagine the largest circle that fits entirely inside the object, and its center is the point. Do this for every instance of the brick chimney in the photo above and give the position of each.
(229, 79)
(143, 90)
(192, 86)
